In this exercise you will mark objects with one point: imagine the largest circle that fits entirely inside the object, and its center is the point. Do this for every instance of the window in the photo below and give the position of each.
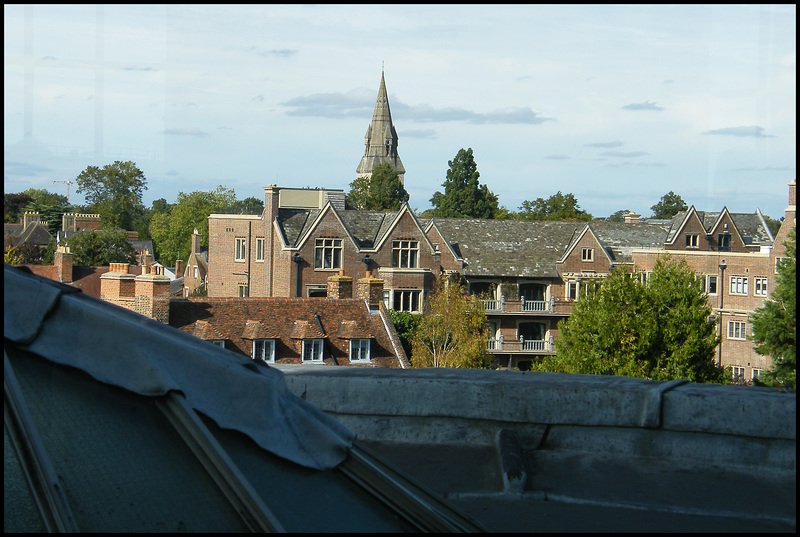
(264, 350)
(724, 242)
(756, 373)
(328, 254)
(244, 290)
(779, 261)
(692, 241)
(195, 271)
(738, 373)
(241, 249)
(711, 281)
(260, 242)
(572, 290)
(312, 350)
(406, 301)
(737, 330)
(587, 254)
(760, 286)
(405, 254)
(359, 350)
(739, 285)
(218, 343)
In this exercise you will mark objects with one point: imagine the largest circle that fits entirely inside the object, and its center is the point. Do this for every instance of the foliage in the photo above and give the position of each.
(114, 192)
(172, 232)
(12, 255)
(464, 196)
(661, 331)
(669, 205)
(453, 332)
(773, 225)
(383, 191)
(618, 216)
(556, 207)
(406, 324)
(775, 323)
(32, 254)
(13, 207)
(97, 249)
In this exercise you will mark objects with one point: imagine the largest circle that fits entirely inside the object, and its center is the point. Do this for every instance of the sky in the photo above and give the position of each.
(617, 105)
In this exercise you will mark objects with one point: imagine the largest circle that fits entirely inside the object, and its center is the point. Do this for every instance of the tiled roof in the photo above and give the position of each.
(289, 320)
(620, 239)
(510, 248)
(366, 227)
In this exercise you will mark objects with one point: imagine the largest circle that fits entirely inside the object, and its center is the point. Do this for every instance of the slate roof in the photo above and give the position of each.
(35, 233)
(620, 239)
(508, 248)
(751, 226)
(366, 227)
(289, 320)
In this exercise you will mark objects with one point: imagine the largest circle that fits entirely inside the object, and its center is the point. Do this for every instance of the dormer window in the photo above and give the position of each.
(359, 350)
(587, 254)
(264, 350)
(312, 350)
(724, 241)
(692, 240)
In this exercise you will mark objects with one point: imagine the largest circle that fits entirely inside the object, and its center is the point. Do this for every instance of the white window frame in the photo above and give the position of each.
(328, 254)
(778, 262)
(760, 286)
(405, 254)
(264, 350)
(692, 240)
(406, 298)
(568, 288)
(312, 350)
(240, 253)
(360, 350)
(709, 278)
(739, 285)
(755, 373)
(260, 246)
(196, 272)
(737, 330)
(737, 372)
(243, 290)
(587, 254)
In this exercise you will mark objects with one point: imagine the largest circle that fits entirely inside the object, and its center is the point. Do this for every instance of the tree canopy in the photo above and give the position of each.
(97, 248)
(775, 323)
(171, 231)
(453, 331)
(464, 196)
(556, 207)
(661, 330)
(114, 192)
(383, 191)
(669, 205)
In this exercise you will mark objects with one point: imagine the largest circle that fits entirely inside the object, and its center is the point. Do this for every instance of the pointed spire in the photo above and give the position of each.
(381, 138)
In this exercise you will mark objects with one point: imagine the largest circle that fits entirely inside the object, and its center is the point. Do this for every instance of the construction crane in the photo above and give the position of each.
(66, 183)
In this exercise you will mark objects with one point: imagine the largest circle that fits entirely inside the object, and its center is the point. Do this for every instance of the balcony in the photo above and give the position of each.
(552, 306)
(520, 346)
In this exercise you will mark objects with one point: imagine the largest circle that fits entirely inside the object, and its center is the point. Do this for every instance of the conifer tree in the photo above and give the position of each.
(464, 196)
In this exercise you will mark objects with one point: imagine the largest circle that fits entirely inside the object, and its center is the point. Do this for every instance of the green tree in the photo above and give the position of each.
(775, 323)
(661, 330)
(669, 205)
(114, 192)
(12, 255)
(773, 225)
(14, 206)
(556, 207)
(97, 249)
(453, 332)
(172, 232)
(464, 196)
(406, 324)
(383, 191)
(618, 216)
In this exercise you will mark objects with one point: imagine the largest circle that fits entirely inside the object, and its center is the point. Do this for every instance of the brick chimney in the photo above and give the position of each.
(117, 285)
(340, 286)
(195, 242)
(147, 258)
(179, 268)
(152, 297)
(371, 290)
(271, 203)
(632, 218)
(63, 259)
(29, 218)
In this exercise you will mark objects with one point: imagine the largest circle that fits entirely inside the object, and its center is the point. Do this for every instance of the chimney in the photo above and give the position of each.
(632, 218)
(791, 210)
(63, 259)
(195, 242)
(271, 203)
(147, 258)
(117, 285)
(179, 268)
(152, 297)
(340, 286)
(371, 290)
(29, 218)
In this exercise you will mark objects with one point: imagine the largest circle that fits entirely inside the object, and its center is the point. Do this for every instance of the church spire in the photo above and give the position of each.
(381, 138)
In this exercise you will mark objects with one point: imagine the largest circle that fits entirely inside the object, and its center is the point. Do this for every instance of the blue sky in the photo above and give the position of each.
(617, 105)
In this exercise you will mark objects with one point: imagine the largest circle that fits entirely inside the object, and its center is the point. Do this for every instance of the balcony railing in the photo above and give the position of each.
(520, 345)
(519, 306)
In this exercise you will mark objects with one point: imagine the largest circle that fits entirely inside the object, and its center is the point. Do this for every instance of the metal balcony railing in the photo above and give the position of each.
(520, 345)
(519, 306)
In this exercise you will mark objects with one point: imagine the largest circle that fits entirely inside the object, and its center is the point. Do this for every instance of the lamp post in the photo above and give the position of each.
(722, 267)
(297, 258)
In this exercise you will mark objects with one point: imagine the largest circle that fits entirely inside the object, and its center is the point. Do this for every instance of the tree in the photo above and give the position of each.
(114, 192)
(464, 196)
(618, 216)
(383, 191)
(556, 207)
(13, 207)
(453, 332)
(661, 330)
(172, 232)
(775, 323)
(773, 225)
(99, 248)
(670, 205)
(406, 324)
(12, 255)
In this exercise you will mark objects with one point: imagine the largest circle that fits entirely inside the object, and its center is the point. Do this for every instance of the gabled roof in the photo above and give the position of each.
(241, 320)
(751, 227)
(35, 233)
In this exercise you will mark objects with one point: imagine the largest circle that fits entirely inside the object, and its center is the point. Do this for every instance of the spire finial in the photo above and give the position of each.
(381, 67)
